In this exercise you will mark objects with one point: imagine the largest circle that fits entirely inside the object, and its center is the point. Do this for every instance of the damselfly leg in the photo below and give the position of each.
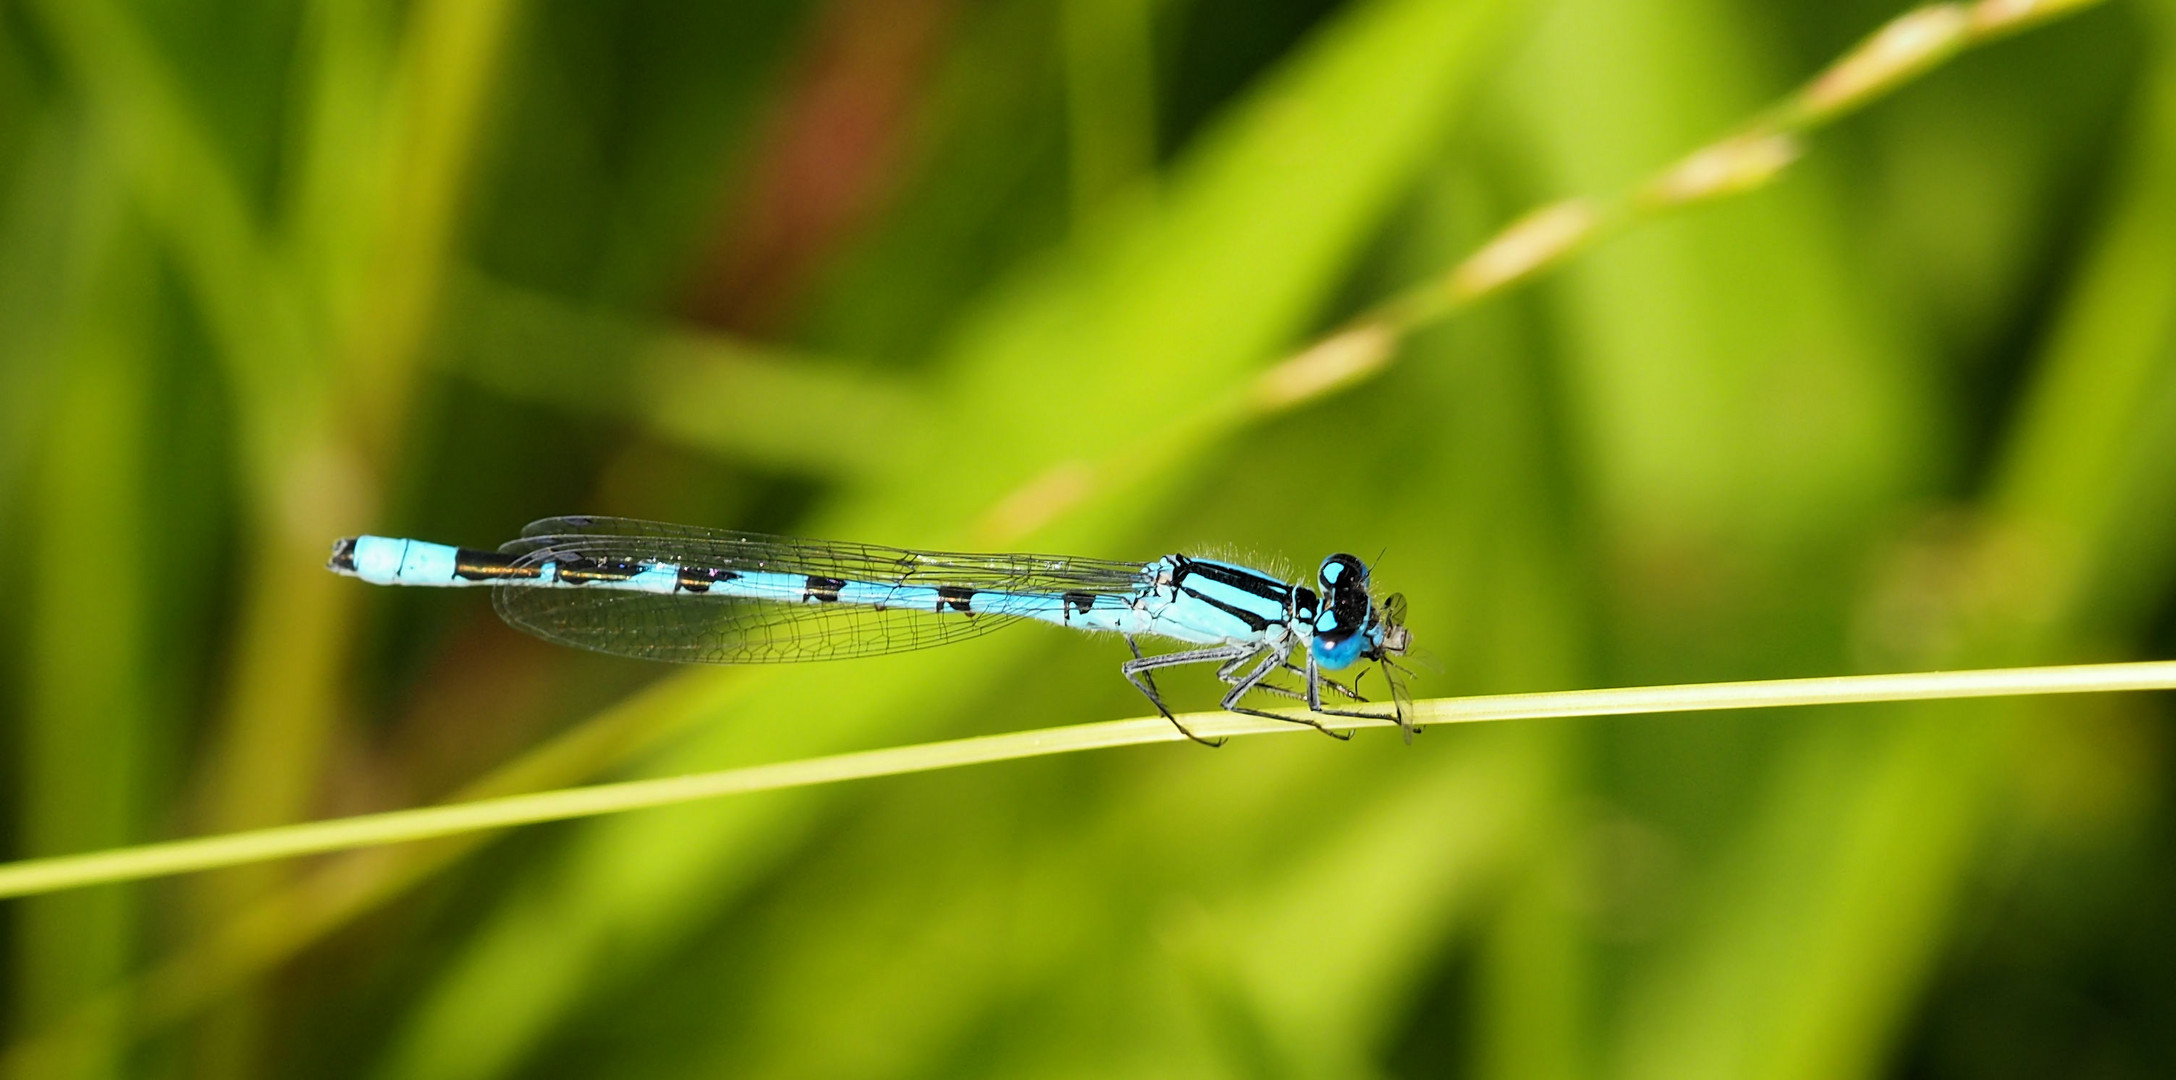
(1351, 693)
(1137, 672)
(1252, 680)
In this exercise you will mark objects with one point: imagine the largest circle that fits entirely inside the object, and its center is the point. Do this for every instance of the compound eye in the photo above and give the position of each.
(1342, 572)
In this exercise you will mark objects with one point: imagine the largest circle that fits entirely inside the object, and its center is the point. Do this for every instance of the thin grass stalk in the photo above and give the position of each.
(1746, 160)
(33, 876)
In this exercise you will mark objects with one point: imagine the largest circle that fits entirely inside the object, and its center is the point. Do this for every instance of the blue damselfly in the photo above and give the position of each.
(680, 593)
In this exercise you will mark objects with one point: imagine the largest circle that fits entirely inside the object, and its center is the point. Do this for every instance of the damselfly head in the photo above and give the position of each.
(1344, 624)
(1349, 625)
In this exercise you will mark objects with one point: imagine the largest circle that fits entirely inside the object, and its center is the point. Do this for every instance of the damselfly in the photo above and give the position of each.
(675, 592)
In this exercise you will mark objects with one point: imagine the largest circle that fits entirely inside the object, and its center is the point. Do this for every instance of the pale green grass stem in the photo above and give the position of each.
(183, 856)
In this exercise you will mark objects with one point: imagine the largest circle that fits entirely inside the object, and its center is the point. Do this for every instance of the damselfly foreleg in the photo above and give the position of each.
(1227, 674)
(1315, 681)
(1350, 692)
(1252, 680)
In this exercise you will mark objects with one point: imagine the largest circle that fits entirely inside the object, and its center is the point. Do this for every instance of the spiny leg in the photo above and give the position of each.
(1137, 672)
(1352, 692)
(1253, 678)
(1146, 683)
(1230, 674)
(1281, 691)
(1314, 697)
(1137, 669)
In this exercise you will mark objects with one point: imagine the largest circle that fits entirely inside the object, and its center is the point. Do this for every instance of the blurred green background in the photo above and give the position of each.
(977, 273)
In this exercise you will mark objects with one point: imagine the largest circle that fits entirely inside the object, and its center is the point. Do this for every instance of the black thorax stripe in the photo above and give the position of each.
(1240, 580)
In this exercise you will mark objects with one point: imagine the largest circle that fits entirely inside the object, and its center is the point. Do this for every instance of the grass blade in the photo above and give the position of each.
(183, 856)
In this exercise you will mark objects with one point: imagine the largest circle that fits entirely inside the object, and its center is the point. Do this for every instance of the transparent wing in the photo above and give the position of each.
(726, 630)
(708, 628)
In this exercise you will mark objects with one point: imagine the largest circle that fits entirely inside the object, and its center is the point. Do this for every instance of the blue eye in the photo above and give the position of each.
(1339, 571)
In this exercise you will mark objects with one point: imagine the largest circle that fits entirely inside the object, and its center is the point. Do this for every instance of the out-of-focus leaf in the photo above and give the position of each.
(2080, 465)
(40, 235)
(1110, 92)
(618, 131)
(718, 394)
(87, 726)
(1737, 394)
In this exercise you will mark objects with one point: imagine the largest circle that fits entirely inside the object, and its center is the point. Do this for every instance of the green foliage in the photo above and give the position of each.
(1002, 275)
